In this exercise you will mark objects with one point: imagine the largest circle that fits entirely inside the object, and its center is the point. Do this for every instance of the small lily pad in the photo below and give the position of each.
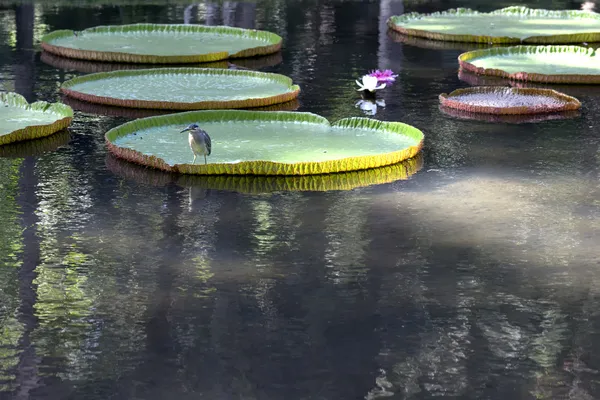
(183, 88)
(20, 120)
(265, 143)
(514, 24)
(548, 64)
(161, 43)
(503, 100)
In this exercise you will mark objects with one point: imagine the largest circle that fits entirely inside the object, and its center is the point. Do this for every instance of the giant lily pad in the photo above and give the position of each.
(265, 143)
(508, 25)
(503, 100)
(161, 43)
(549, 64)
(20, 120)
(268, 184)
(183, 88)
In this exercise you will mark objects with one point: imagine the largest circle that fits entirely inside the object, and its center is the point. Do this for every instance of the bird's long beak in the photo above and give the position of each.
(185, 130)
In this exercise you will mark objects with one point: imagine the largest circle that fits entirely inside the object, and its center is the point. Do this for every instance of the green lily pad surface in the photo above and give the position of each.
(266, 143)
(161, 43)
(20, 120)
(508, 25)
(183, 88)
(556, 64)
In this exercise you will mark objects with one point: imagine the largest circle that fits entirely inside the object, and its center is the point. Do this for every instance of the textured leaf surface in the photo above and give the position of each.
(183, 88)
(502, 100)
(508, 25)
(266, 143)
(20, 120)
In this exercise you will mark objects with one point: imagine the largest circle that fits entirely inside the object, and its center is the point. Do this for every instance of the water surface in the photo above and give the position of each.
(476, 278)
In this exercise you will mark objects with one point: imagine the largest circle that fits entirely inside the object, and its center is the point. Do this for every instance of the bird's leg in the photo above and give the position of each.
(205, 159)
(194, 162)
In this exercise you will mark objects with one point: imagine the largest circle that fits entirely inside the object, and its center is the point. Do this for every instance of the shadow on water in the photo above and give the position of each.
(475, 278)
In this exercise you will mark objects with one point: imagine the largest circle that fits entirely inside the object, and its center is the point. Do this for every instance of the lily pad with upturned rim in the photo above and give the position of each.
(161, 43)
(265, 143)
(268, 184)
(20, 120)
(514, 24)
(548, 64)
(504, 100)
(183, 88)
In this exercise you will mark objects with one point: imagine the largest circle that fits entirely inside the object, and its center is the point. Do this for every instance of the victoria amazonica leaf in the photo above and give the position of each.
(503, 100)
(161, 43)
(183, 88)
(265, 143)
(508, 25)
(551, 64)
(20, 120)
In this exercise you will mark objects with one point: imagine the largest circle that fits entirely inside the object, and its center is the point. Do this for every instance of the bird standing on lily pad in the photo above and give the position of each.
(199, 141)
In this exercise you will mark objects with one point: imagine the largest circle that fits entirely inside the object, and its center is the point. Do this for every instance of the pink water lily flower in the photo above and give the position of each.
(386, 76)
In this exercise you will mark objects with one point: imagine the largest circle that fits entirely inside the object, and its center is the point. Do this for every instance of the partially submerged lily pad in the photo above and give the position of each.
(549, 64)
(183, 88)
(253, 184)
(508, 25)
(508, 118)
(265, 143)
(161, 43)
(20, 120)
(504, 100)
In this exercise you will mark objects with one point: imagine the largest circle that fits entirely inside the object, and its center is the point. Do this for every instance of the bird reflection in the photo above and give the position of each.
(196, 197)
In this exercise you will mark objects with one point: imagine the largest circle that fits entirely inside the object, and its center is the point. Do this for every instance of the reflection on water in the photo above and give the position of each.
(253, 184)
(508, 119)
(89, 67)
(470, 272)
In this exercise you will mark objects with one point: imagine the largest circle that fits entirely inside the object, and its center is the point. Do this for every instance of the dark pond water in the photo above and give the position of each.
(477, 277)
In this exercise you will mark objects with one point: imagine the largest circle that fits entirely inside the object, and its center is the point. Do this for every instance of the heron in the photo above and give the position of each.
(199, 141)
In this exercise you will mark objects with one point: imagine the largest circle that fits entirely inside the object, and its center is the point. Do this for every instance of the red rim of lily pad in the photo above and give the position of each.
(557, 101)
